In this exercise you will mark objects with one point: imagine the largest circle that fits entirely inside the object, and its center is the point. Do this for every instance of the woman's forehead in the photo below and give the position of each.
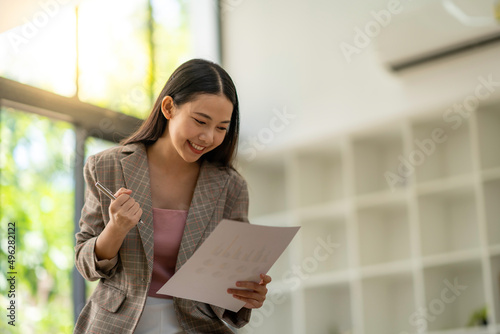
(213, 107)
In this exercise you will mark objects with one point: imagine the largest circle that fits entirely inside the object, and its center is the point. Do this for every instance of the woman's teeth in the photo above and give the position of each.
(199, 148)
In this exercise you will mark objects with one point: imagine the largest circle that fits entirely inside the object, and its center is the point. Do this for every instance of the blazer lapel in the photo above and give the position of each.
(136, 175)
(211, 181)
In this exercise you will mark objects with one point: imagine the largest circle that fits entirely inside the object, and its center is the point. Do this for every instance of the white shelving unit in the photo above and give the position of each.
(310, 232)
(400, 228)
(325, 177)
(491, 196)
(453, 292)
(388, 300)
(383, 234)
(448, 221)
(320, 316)
(444, 146)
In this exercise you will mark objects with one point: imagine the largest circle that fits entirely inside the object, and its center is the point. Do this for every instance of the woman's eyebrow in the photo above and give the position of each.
(207, 116)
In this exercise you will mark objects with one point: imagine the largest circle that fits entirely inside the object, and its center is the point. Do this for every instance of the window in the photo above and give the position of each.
(37, 193)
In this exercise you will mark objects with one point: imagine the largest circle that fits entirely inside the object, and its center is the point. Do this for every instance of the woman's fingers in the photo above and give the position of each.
(265, 279)
(122, 196)
(136, 211)
(124, 211)
(123, 200)
(121, 203)
(252, 286)
(123, 191)
(252, 293)
(251, 299)
(248, 294)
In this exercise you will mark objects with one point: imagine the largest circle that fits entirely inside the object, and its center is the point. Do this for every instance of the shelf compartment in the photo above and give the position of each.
(452, 293)
(387, 303)
(382, 199)
(491, 174)
(494, 250)
(383, 234)
(468, 330)
(314, 234)
(448, 221)
(337, 277)
(328, 309)
(320, 177)
(392, 268)
(488, 120)
(449, 258)
(336, 209)
(492, 209)
(266, 186)
(450, 184)
(374, 156)
(439, 151)
(495, 279)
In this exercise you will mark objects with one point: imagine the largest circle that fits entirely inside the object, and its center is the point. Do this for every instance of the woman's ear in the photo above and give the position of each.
(167, 107)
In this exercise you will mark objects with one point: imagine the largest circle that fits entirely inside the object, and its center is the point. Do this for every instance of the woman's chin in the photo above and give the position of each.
(190, 157)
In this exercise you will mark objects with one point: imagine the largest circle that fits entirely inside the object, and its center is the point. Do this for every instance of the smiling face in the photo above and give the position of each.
(196, 127)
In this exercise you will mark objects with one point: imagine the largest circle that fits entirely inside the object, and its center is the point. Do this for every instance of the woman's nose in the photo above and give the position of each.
(207, 136)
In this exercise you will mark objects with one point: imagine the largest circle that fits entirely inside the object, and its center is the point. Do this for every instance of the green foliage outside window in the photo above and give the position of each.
(37, 193)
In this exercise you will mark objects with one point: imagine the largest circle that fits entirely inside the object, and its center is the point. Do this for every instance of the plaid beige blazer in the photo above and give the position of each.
(118, 300)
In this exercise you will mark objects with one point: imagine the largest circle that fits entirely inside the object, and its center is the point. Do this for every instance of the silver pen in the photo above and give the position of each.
(108, 193)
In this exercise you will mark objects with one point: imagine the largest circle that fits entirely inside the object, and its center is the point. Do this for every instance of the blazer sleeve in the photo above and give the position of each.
(91, 225)
(239, 212)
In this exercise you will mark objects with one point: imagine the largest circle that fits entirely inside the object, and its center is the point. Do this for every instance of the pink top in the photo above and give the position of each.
(168, 230)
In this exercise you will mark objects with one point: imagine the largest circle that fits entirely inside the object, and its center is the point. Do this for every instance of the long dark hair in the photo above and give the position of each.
(194, 77)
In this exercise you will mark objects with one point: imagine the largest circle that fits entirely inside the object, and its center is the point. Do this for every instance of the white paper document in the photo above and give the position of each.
(234, 251)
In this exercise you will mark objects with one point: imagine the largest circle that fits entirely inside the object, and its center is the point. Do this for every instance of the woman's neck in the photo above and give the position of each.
(164, 156)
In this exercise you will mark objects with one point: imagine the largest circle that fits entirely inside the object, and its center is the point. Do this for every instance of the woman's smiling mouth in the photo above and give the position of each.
(197, 148)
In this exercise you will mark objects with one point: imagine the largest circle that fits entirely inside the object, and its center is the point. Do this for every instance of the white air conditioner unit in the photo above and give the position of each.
(425, 30)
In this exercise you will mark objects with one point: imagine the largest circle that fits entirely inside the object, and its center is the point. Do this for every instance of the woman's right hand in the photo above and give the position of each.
(124, 211)
(124, 214)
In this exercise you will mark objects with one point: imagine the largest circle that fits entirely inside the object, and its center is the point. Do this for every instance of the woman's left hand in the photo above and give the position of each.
(252, 293)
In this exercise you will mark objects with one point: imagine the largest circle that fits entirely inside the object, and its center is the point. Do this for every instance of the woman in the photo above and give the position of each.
(175, 173)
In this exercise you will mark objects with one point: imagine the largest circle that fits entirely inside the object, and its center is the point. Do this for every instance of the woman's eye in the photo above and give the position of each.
(198, 121)
(222, 128)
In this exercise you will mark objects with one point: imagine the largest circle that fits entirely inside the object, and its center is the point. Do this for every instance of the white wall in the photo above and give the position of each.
(286, 54)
